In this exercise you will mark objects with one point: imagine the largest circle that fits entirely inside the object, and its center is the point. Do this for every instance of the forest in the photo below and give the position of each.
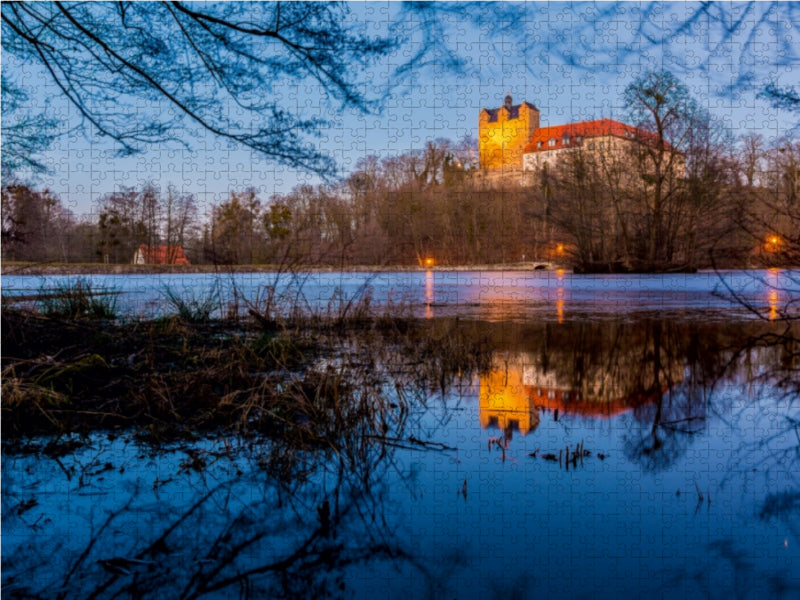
(703, 194)
(736, 205)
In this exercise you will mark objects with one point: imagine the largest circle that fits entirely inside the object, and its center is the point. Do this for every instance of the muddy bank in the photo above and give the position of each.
(103, 269)
(307, 381)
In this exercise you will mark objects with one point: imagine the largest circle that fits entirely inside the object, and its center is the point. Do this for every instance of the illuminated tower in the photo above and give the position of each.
(504, 132)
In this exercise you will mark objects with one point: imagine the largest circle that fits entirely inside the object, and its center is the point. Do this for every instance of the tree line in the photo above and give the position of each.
(688, 195)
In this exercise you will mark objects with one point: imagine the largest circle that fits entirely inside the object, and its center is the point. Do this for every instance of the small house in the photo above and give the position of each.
(160, 255)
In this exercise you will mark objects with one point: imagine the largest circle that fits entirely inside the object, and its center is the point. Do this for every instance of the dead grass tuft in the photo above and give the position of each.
(319, 381)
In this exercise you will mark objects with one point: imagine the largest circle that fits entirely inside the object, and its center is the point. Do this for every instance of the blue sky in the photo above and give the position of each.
(573, 61)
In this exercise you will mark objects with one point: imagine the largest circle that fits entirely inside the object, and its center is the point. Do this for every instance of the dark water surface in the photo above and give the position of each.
(683, 479)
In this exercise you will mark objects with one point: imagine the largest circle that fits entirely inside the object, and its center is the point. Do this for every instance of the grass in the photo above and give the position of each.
(77, 299)
(194, 307)
(313, 380)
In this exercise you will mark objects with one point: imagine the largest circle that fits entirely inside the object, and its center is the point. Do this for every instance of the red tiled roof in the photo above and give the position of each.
(580, 406)
(583, 130)
(163, 255)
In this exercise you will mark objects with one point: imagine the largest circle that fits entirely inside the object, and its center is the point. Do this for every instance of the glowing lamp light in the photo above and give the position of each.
(773, 243)
(428, 262)
(560, 248)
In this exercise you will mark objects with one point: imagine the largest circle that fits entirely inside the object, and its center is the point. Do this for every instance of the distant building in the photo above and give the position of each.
(160, 255)
(510, 138)
(503, 134)
(604, 135)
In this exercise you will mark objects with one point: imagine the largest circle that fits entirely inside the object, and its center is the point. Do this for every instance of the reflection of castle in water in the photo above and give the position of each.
(520, 387)
(504, 399)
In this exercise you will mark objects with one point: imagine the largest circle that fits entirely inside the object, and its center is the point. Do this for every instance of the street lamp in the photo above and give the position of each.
(773, 243)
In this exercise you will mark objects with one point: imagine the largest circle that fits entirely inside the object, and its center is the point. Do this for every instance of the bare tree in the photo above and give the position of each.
(24, 135)
(751, 158)
(736, 31)
(773, 220)
(180, 218)
(581, 209)
(195, 61)
(36, 225)
(662, 109)
(236, 229)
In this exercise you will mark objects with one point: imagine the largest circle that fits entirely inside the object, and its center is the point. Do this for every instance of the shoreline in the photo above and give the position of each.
(44, 269)
(103, 269)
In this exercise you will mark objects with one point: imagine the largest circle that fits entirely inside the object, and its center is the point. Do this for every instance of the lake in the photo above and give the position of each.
(487, 295)
(632, 436)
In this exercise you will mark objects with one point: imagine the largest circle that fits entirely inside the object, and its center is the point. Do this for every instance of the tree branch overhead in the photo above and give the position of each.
(141, 73)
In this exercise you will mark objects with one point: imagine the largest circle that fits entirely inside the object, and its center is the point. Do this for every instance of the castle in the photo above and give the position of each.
(511, 140)
(503, 134)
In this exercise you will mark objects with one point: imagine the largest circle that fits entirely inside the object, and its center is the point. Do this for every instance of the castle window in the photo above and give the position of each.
(602, 145)
(551, 142)
(565, 139)
(578, 140)
(591, 145)
(538, 144)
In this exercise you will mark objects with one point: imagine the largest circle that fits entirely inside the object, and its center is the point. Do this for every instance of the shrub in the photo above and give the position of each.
(194, 307)
(77, 300)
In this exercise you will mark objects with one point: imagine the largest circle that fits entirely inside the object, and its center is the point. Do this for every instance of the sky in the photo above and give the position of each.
(572, 60)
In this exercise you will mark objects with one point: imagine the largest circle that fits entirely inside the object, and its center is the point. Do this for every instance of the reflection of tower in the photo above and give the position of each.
(588, 370)
(504, 402)
(518, 387)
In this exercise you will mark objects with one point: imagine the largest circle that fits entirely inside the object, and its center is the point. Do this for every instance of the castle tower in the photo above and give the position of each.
(504, 132)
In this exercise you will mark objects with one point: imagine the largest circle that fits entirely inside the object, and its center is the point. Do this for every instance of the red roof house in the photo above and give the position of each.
(160, 255)
(573, 134)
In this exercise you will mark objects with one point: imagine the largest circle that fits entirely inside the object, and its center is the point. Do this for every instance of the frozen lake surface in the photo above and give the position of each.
(491, 295)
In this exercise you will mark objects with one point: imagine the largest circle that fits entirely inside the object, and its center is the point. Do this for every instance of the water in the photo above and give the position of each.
(488, 295)
(687, 485)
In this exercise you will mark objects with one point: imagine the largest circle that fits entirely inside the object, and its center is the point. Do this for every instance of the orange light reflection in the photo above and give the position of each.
(560, 296)
(773, 305)
(773, 297)
(429, 297)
